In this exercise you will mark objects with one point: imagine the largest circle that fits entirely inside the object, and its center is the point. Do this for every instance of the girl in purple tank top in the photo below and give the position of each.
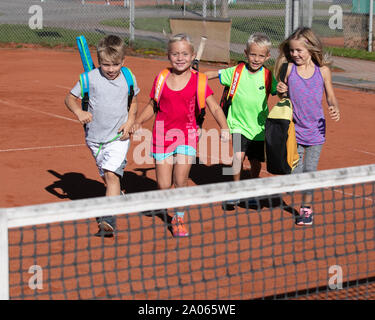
(308, 76)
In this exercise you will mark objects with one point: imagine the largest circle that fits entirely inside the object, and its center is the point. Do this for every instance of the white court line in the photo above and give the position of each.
(352, 194)
(62, 87)
(41, 148)
(13, 104)
(54, 85)
(370, 153)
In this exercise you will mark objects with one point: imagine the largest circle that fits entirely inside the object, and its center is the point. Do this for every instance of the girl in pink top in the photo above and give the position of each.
(307, 78)
(175, 133)
(175, 122)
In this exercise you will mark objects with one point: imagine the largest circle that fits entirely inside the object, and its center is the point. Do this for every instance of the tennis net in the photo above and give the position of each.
(252, 252)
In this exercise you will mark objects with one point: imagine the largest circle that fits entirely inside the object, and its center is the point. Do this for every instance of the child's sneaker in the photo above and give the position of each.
(178, 227)
(105, 230)
(299, 220)
(305, 217)
(308, 218)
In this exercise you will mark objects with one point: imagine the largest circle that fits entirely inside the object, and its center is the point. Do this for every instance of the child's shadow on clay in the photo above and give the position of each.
(74, 186)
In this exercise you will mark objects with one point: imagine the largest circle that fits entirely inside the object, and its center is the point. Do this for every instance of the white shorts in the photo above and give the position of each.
(111, 156)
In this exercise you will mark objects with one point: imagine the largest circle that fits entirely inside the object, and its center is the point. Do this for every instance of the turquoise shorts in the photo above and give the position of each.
(183, 149)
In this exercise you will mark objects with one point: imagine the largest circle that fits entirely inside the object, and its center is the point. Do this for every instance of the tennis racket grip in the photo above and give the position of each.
(202, 44)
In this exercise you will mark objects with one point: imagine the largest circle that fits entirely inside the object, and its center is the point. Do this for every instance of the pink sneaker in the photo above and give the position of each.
(178, 227)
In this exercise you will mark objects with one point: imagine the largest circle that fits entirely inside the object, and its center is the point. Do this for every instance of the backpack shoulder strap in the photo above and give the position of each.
(267, 80)
(235, 80)
(160, 82)
(201, 89)
(159, 85)
(200, 111)
(84, 81)
(130, 81)
(128, 76)
(229, 92)
(283, 72)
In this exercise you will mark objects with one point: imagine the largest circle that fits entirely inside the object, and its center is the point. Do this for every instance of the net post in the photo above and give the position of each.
(4, 257)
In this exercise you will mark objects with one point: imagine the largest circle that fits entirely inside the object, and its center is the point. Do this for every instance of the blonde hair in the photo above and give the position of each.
(261, 39)
(111, 47)
(180, 37)
(312, 44)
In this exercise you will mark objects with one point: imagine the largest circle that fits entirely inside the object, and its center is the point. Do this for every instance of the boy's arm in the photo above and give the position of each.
(219, 116)
(333, 106)
(126, 128)
(146, 114)
(212, 74)
(74, 105)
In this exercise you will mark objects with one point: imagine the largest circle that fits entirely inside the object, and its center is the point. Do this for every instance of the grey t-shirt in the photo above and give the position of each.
(108, 103)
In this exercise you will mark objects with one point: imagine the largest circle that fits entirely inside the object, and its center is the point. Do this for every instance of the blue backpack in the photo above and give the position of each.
(84, 81)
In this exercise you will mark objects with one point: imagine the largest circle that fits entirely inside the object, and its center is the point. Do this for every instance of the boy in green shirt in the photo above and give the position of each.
(248, 111)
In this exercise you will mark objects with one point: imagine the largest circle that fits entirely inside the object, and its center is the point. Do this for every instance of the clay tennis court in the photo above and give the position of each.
(44, 157)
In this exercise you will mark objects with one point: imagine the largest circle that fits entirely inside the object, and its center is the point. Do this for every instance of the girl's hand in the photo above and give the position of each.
(281, 87)
(334, 113)
(224, 135)
(136, 126)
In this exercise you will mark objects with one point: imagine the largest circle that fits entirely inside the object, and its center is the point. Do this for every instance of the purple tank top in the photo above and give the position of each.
(306, 96)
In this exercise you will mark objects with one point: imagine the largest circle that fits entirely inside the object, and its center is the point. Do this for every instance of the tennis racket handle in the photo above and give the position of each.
(195, 64)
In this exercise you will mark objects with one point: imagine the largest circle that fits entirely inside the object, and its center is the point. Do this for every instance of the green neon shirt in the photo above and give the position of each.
(248, 112)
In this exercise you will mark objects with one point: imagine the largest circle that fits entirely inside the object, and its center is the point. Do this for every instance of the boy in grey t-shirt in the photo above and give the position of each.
(107, 121)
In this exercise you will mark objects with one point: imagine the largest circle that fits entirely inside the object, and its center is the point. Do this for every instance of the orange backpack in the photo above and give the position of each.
(201, 93)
